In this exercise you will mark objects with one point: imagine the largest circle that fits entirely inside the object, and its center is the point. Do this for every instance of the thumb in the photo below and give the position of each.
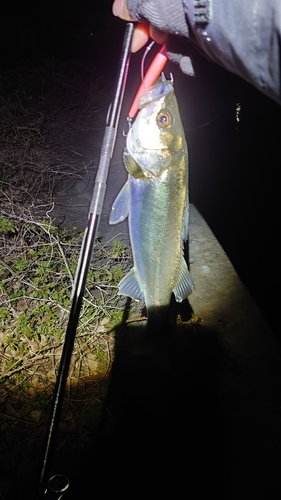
(119, 9)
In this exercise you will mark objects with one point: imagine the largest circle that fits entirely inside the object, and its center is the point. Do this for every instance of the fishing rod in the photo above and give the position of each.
(54, 487)
(45, 488)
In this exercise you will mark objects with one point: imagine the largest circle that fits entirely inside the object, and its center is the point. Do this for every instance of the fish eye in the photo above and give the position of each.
(164, 119)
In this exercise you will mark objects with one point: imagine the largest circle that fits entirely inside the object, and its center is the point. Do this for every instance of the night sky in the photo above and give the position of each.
(233, 165)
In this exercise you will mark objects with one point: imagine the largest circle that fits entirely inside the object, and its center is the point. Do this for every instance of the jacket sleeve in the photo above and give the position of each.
(242, 36)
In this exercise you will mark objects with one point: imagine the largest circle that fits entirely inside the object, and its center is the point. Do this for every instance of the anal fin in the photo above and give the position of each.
(129, 286)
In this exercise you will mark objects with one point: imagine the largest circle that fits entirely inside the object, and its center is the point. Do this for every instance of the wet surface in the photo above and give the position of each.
(72, 203)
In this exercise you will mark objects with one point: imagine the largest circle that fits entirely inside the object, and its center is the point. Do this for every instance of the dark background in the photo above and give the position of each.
(234, 179)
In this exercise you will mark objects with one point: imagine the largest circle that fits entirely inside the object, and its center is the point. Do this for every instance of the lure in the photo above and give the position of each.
(152, 74)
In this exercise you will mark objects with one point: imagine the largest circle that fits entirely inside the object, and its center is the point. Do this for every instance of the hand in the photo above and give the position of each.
(143, 32)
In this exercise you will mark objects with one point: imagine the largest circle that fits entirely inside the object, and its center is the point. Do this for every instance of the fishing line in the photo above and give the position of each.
(148, 48)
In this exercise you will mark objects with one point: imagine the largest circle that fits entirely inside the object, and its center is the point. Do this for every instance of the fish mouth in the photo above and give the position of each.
(160, 90)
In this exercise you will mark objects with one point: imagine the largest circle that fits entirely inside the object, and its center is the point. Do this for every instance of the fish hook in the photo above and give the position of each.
(129, 121)
(163, 78)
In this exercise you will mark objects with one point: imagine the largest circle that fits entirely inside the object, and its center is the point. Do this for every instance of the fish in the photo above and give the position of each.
(155, 199)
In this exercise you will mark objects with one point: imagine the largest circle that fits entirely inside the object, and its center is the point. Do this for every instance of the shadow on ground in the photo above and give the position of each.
(153, 431)
(182, 415)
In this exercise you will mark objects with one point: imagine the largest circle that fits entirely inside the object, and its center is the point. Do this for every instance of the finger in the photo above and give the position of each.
(119, 9)
(157, 35)
(140, 37)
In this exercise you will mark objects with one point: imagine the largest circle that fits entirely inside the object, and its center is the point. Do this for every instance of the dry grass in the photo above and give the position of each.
(45, 113)
(42, 111)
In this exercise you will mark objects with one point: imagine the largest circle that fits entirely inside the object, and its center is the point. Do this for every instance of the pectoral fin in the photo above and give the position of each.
(129, 286)
(120, 207)
(184, 284)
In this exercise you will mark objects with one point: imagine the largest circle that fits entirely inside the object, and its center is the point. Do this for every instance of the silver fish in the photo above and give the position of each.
(155, 199)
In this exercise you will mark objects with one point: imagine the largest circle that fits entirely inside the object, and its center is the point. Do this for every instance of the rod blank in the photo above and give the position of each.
(85, 256)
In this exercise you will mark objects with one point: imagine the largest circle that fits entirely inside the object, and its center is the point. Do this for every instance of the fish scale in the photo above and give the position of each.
(153, 232)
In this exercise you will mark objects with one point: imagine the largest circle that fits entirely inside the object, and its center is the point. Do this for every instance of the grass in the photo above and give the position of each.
(52, 120)
(43, 112)
(37, 274)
